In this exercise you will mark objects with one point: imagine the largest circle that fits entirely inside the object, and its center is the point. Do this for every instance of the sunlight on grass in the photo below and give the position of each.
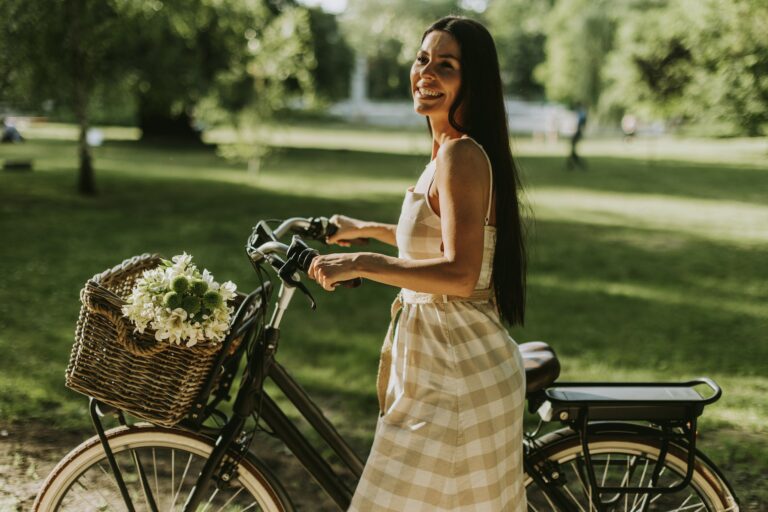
(406, 141)
(666, 296)
(734, 222)
(749, 152)
(63, 131)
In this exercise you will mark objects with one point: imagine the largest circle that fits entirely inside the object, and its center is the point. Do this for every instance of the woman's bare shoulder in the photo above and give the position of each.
(461, 158)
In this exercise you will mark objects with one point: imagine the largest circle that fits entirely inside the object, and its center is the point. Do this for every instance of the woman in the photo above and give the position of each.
(451, 382)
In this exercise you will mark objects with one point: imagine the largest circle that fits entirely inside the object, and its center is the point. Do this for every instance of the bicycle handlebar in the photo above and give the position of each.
(264, 244)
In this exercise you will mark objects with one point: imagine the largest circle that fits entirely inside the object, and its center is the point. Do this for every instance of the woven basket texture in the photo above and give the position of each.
(153, 380)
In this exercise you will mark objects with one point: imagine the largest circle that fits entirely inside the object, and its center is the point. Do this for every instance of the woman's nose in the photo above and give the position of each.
(428, 70)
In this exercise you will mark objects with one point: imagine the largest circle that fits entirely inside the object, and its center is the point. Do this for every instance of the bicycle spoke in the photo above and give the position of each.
(173, 476)
(568, 491)
(224, 506)
(208, 503)
(605, 471)
(587, 492)
(157, 484)
(181, 484)
(640, 484)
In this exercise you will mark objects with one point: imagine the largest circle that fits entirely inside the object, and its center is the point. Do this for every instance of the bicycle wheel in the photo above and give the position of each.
(625, 456)
(171, 459)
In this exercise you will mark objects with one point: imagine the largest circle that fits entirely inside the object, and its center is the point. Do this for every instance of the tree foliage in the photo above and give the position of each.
(69, 61)
(389, 32)
(702, 61)
(579, 37)
(518, 27)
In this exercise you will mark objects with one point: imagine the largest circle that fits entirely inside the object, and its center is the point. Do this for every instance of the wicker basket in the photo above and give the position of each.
(155, 381)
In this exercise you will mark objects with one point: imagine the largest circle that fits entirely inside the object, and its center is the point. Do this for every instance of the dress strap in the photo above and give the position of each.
(490, 172)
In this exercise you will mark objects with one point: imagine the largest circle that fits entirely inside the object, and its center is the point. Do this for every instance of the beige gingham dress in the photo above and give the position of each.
(451, 388)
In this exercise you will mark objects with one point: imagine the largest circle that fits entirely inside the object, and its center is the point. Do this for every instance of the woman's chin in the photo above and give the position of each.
(422, 109)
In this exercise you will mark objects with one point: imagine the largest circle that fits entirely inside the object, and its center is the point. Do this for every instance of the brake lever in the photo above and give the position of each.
(287, 273)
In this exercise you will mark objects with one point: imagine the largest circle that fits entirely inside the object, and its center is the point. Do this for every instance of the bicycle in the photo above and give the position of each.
(622, 446)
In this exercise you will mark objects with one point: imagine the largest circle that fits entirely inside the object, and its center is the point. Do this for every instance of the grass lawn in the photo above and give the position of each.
(650, 265)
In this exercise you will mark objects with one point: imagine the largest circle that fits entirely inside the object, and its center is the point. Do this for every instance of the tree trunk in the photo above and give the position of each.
(86, 183)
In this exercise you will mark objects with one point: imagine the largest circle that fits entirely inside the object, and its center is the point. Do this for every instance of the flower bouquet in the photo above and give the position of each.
(181, 304)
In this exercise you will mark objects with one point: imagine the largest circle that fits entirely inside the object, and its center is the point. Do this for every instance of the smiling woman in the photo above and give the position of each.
(451, 383)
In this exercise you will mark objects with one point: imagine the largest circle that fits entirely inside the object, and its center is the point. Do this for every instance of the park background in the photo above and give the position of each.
(174, 125)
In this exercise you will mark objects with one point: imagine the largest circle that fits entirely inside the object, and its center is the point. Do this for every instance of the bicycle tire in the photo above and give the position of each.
(82, 480)
(626, 446)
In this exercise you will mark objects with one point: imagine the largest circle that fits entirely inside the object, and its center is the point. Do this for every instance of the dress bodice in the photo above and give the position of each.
(419, 234)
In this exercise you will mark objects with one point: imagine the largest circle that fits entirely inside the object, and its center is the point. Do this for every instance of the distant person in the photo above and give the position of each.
(9, 132)
(629, 127)
(574, 160)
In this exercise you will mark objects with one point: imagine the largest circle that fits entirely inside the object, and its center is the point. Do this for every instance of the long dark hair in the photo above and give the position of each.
(484, 118)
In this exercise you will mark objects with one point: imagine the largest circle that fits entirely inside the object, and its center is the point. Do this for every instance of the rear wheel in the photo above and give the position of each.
(626, 459)
(171, 460)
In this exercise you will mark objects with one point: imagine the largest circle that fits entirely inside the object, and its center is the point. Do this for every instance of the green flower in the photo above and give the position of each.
(212, 299)
(172, 300)
(191, 304)
(198, 287)
(180, 284)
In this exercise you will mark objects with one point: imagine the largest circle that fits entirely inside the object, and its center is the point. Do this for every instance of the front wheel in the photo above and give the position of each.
(625, 456)
(171, 460)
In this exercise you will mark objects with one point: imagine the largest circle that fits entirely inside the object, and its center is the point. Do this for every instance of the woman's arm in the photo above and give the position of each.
(462, 184)
(350, 229)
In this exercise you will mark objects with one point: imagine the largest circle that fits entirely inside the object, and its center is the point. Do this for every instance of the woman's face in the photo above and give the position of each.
(436, 74)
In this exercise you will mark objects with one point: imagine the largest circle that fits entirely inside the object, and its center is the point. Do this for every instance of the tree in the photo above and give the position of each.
(379, 30)
(277, 72)
(518, 27)
(580, 35)
(697, 60)
(177, 56)
(67, 60)
(332, 54)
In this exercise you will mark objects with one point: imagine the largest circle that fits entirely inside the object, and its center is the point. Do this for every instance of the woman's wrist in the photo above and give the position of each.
(365, 263)
(374, 230)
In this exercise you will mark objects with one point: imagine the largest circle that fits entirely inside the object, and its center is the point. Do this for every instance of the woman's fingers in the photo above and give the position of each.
(329, 269)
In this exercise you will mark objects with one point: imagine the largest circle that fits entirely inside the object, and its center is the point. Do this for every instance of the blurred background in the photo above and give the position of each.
(174, 125)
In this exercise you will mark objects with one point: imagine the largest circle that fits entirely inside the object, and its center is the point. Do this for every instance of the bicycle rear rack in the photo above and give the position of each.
(672, 407)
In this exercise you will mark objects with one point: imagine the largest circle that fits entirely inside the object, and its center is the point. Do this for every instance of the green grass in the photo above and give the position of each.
(648, 266)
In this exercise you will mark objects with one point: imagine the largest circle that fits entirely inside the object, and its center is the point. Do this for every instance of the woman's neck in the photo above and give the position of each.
(442, 132)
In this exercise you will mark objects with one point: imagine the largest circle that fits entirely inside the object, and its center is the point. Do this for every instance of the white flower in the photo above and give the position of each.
(145, 305)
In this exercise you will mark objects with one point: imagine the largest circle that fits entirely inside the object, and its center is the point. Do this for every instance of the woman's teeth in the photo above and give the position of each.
(428, 92)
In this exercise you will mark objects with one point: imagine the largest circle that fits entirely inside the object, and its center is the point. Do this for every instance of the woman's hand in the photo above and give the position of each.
(349, 229)
(329, 269)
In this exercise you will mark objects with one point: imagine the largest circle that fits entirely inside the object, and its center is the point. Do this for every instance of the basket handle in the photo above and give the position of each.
(103, 302)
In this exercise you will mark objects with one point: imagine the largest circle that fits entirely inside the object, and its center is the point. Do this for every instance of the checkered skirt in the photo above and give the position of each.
(451, 390)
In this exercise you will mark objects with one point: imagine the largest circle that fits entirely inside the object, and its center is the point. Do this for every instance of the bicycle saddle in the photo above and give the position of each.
(541, 365)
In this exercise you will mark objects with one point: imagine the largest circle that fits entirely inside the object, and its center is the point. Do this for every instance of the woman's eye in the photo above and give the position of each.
(447, 65)
(421, 59)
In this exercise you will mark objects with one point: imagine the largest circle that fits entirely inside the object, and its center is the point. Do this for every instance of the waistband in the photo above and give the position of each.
(411, 297)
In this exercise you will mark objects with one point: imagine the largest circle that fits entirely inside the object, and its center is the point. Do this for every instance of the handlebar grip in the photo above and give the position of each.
(303, 256)
(350, 283)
